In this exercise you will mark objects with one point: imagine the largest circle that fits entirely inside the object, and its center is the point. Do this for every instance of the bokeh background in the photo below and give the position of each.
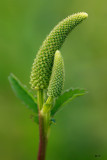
(80, 132)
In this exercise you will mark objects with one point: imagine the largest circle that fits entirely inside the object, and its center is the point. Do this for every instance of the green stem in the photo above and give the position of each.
(48, 105)
(40, 99)
(42, 128)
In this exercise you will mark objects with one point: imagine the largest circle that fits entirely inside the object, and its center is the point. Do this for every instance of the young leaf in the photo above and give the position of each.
(23, 93)
(67, 96)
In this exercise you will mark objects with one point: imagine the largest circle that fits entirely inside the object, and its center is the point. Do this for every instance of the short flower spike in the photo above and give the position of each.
(42, 66)
(57, 78)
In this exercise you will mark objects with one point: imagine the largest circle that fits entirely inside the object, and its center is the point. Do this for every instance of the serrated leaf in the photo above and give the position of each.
(23, 93)
(67, 96)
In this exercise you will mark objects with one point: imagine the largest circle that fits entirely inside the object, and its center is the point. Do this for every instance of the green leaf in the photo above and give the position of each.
(23, 93)
(66, 97)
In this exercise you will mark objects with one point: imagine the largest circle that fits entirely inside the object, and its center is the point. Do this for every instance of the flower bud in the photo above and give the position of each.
(42, 66)
(57, 78)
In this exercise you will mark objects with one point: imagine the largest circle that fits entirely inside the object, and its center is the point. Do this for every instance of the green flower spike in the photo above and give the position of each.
(56, 83)
(42, 66)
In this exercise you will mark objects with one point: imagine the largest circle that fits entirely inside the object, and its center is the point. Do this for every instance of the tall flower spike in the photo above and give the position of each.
(57, 78)
(42, 66)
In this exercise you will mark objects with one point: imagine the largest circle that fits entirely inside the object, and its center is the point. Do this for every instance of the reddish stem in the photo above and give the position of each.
(43, 139)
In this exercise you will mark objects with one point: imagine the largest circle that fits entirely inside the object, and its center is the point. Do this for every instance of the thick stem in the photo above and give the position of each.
(43, 138)
(42, 128)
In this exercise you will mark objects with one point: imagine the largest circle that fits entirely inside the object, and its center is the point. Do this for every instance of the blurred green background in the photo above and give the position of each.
(80, 132)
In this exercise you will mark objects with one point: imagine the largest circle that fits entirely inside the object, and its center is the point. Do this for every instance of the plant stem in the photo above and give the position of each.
(42, 128)
(43, 139)
(40, 99)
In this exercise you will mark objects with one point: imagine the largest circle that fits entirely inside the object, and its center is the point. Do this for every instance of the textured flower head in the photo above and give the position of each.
(42, 66)
(56, 83)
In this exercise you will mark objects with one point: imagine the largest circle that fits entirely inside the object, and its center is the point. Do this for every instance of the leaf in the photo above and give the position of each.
(23, 93)
(66, 97)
